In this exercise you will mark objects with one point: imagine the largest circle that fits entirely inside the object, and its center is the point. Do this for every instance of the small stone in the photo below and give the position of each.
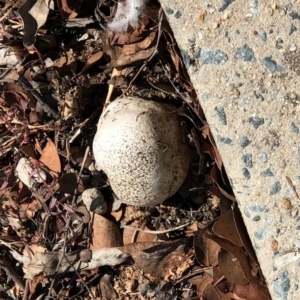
(254, 6)
(224, 140)
(262, 35)
(260, 234)
(197, 52)
(94, 201)
(186, 58)
(249, 16)
(256, 218)
(213, 56)
(221, 114)
(282, 285)
(245, 53)
(247, 159)
(275, 188)
(258, 96)
(256, 121)
(294, 128)
(86, 255)
(227, 14)
(246, 173)
(271, 65)
(178, 14)
(274, 245)
(263, 157)
(267, 173)
(292, 29)
(192, 40)
(286, 204)
(245, 141)
(293, 48)
(269, 11)
(169, 11)
(294, 15)
(226, 3)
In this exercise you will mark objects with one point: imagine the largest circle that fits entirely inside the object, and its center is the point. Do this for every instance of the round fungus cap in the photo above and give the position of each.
(142, 148)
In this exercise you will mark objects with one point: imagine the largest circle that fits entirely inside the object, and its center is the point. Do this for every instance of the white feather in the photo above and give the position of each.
(127, 14)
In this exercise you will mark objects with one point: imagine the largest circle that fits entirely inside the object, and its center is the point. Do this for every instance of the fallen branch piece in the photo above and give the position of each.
(47, 262)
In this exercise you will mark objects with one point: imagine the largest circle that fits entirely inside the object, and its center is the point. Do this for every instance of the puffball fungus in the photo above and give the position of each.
(142, 148)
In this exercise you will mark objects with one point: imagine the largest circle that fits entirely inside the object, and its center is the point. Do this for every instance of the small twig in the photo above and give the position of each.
(12, 273)
(115, 72)
(38, 97)
(155, 231)
(197, 272)
(83, 282)
(26, 291)
(68, 222)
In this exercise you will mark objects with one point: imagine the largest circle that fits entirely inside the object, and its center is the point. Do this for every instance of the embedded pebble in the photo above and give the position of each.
(221, 114)
(263, 157)
(213, 56)
(274, 245)
(245, 141)
(275, 188)
(94, 201)
(169, 11)
(256, 121)
(254, 6)
(247, 159)
(262, 35)
(292, 29)
(267, 173)
(245, 53)
(294, 128)
(225, 4)
(293, 48)
(178, 14)
(271, 65)
(286, 204)
(224, 140)
(282, 285)
(246, 173)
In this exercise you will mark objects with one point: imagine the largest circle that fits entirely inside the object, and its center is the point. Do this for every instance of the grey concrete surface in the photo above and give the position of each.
(243, 58)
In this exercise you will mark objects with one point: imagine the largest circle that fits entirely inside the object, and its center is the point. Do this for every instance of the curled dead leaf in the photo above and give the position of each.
(50, 159)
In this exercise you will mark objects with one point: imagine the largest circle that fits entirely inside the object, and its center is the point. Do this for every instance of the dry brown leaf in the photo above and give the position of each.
(212, 292)
(69, 8)
(240, 226)
(165, 260)
(67, 184)
(206, 250)
(206, 280)
(13, 93)
(252, 292)
(91, 61)
(231, 268)
(33, 284)
(66, 64)
(106, 287)
(238, 253)
(106, 233)
(125, 60)
(216, 174)
(30, 208)
(225, 228)
(50, 159)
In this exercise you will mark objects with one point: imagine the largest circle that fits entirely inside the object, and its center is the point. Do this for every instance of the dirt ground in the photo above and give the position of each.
(56, 75)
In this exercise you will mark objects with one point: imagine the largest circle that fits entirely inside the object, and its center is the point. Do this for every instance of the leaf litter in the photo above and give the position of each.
(194, 245)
